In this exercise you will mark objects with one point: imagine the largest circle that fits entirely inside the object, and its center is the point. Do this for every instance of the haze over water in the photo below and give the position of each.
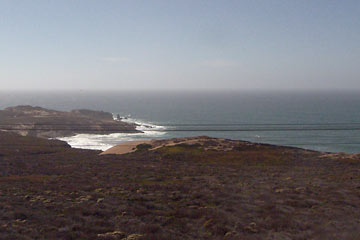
(324, 121)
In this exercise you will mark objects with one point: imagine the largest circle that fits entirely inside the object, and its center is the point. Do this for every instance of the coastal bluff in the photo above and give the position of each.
(45, 123)
(195, 188)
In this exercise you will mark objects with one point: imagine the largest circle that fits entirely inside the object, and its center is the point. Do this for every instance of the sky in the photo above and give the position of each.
(179, 45)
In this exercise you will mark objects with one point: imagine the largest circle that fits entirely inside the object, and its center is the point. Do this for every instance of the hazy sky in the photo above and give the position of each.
(185, 44)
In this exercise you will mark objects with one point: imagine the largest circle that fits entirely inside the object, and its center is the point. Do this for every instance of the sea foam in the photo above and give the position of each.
(105, 141)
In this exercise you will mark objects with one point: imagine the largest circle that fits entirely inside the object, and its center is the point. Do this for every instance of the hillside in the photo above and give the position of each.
(251, 191)
(41, 122)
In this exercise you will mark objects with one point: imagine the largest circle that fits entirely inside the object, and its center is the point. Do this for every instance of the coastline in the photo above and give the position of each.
(146, 131)
(255, 108)
(214, 144)
(244, 192)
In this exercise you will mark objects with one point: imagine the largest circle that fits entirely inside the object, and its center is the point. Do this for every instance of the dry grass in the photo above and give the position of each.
(179, 192)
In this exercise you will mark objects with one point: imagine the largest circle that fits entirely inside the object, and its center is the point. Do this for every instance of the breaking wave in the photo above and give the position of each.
(105, 141)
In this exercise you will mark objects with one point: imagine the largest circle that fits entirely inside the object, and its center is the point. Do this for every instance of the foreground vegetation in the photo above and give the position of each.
(51, 191)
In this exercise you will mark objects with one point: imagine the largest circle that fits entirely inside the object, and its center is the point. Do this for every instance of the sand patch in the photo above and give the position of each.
(218, 144)
(126, 147)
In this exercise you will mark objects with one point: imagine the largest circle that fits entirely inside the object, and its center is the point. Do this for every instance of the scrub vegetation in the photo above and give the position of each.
(253, 191)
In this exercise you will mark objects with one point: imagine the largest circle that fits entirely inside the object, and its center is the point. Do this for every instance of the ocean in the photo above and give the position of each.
(323, 121)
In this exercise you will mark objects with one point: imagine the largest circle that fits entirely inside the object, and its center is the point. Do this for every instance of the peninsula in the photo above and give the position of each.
(45, 123)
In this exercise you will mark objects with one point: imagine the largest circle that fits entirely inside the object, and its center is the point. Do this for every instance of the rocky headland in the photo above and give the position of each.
(45, 123)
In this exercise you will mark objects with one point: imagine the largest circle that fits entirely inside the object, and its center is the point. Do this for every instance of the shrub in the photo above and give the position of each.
(143, 147)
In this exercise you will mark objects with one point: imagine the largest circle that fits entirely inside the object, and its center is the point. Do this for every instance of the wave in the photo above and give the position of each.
(105, 141)
(141, 125)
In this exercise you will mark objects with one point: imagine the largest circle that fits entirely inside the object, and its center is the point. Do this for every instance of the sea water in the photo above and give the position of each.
(323, 121)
